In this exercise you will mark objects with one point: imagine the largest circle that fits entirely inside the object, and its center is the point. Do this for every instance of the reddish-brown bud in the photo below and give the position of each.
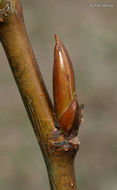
(65, 102)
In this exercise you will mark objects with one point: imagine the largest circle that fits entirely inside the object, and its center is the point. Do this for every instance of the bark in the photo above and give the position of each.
(58, 152)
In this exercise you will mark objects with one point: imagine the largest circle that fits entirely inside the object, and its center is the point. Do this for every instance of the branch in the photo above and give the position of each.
(58, 152)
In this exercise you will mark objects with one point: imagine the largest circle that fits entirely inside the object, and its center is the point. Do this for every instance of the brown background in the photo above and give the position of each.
(90, 35)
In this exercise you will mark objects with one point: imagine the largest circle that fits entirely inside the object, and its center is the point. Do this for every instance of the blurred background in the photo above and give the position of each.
(90, 35)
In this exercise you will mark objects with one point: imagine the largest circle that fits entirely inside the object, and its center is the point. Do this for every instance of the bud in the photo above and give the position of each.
(64, 92)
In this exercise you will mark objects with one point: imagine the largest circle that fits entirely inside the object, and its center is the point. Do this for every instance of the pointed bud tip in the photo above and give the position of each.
(58, 42)
(57, 38)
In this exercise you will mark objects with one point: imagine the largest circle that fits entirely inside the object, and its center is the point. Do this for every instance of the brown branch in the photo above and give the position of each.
(58, 152)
